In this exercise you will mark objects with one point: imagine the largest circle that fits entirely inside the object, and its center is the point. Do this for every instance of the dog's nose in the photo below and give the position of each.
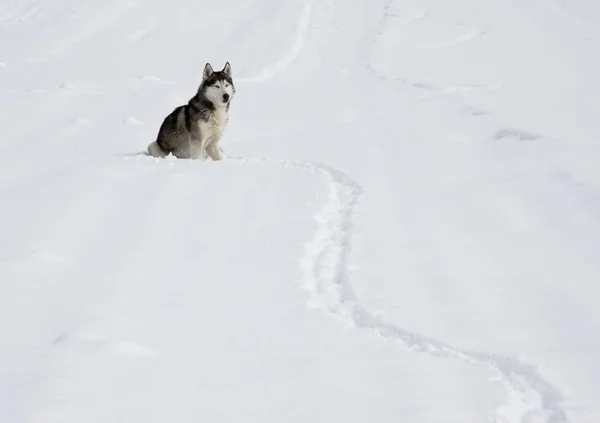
(225, 98)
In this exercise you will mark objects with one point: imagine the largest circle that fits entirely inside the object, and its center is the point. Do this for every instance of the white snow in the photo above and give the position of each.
(406, 226)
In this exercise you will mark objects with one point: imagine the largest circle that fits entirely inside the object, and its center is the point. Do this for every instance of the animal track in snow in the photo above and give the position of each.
(325, 266)
(294, 51)
(518, 134)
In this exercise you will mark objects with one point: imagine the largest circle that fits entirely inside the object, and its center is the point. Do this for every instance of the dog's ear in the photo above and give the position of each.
(227, 69)
(208, 71)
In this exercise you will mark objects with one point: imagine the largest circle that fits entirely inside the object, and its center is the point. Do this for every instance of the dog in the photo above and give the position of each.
(194, 130)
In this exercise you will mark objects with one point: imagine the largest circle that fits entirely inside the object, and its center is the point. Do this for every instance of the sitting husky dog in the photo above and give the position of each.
(194, 129)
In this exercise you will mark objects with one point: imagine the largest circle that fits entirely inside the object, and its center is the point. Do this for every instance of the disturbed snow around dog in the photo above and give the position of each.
(440, 267)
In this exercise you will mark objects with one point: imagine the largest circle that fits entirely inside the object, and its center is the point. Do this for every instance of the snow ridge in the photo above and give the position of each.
(531, 398)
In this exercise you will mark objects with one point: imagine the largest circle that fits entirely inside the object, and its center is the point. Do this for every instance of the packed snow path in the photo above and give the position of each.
(412, 179)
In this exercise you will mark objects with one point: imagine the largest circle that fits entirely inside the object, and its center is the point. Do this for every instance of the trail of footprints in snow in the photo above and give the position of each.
(407, 18)
(325, 269)
(470, 34)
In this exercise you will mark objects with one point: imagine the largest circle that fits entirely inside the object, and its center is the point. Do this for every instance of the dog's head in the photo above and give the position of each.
(218, 86)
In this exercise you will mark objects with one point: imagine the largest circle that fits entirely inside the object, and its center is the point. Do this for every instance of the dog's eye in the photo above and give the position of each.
(217, 86)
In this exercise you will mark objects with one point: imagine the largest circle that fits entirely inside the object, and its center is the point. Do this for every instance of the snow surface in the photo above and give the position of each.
(406, 227)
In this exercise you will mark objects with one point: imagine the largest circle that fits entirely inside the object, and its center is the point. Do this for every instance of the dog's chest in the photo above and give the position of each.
(214, 126)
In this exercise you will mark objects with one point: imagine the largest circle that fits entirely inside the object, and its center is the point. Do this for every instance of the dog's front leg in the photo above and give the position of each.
(199, 150)
(215, 152)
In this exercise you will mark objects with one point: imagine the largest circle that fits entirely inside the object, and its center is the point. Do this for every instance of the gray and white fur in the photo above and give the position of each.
(193, 130)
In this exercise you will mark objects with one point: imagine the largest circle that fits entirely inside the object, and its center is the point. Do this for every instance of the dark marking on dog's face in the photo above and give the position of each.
(218, 86)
